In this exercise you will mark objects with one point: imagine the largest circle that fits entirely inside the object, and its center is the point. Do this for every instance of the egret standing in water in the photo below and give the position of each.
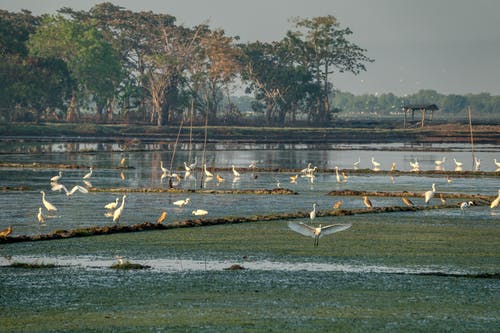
(181, 203)
(39, 216)
(199, 212)
(208, 174)
(317, 232)
(112, 205)
(495, 202)
(367, 202)
(56, 178)
(465, 205)
(430, 194)
(236, 174)
(47, 204)
(375, 164)
(118, 212)
(89, 174)
(312, 213)
(337, 176)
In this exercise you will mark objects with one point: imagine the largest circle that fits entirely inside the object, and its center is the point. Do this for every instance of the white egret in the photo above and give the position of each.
(181, 203)
(367, 202)
(312, 213)
(207, 173)
(466, 204)
(75, 188)
(430, 194)
(6, 232)
(477, 163)
(56, 178)
(163, 169)
(252, 165)
(496, 163)
(317, 232)
(186, 167)
(88, 174)
(118, 212)
(193, 165)
(199, 212)
(495, 202)
(307, 169)
(162, 217)
(407, 201)
(415, 165)
(235, 172)
(375, 163)
(393, 166)
(440, 162)
(112, 205)
(457, 163)
(120, 260)
(337, 176)
(47, 204)
(39, 216)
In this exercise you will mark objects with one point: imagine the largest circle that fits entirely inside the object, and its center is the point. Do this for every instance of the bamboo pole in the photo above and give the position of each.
(471, 139)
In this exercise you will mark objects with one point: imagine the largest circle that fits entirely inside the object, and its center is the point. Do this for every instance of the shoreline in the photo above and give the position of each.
(451, 133)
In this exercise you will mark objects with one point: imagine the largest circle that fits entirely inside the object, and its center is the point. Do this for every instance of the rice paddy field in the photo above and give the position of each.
(428, 270)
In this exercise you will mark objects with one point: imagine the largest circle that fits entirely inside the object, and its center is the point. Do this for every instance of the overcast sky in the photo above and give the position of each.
(452, 46)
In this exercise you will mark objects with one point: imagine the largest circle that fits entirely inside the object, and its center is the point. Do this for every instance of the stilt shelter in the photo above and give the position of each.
(425, 109)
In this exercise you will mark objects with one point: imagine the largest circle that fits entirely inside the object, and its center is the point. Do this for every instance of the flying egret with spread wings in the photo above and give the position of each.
(317, 232)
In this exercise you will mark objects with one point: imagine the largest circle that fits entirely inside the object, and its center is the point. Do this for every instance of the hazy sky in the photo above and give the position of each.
(452, 46)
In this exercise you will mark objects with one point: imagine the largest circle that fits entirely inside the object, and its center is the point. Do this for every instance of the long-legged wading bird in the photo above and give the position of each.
(430, 194)
(466, 204)
(457, 163)
(199, 212)
(47, 204)
(440, 162)
(39, 216)
(118, 212)
(56, 178)
(112, 205)
(337, 176)
(317, 232)
(235, 172)
(375, 163)
(208, 174)
(181, 203)
(495, 202)
(5, 232)
(407, 201)
(312, 213)
(75, 188)
(367, 202)
(88, 174)
(162, 217)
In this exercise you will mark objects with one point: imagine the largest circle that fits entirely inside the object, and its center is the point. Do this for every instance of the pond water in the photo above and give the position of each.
(272, 252)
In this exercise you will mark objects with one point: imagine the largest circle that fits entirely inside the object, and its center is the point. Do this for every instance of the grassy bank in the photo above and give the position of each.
(441, 133)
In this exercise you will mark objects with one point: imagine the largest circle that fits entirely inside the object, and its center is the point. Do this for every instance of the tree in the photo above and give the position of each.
(322, 47)
(92, 62)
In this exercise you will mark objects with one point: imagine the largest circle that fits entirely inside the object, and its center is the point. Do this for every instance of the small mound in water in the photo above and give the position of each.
(235, 267)
(31, 265)
(128, 265)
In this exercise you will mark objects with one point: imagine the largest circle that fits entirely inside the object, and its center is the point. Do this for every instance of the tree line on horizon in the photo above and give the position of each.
(110, 64)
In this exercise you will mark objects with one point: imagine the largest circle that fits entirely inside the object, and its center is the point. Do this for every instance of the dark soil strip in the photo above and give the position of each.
(145, 226)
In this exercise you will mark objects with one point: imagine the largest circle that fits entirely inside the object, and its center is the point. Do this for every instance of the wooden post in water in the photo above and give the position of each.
(471, 139)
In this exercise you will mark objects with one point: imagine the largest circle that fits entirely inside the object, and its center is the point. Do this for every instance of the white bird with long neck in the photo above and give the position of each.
(208, 174)
(88, 174)
(430, 194)
(495, 202)
(235, 172)
(337, 176)
(312, 213)
(440, 162)
(496, 163)
(477, 163)
(356, 164)
(163, 169)
(47, 205)
(457, 163)
(118, 212)
(465, 205)
(75, 188)
(181, 203)
(112, 205)
(199, 212)
(40, 217)
(375, 163)
(56, 178)
(317, 232)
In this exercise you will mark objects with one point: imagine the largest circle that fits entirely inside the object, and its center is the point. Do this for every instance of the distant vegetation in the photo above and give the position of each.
(112, 65)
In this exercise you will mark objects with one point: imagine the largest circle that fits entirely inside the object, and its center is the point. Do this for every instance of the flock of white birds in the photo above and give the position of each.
(115, 209)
